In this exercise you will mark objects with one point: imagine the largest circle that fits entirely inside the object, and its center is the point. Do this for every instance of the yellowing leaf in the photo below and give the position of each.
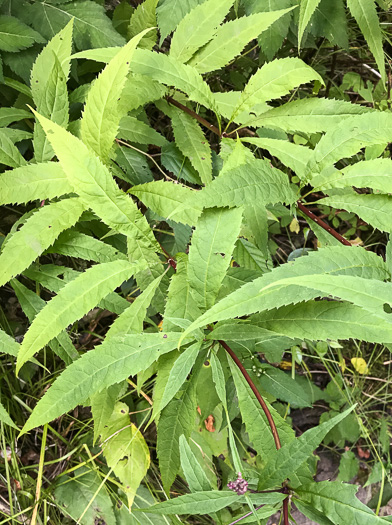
(125, 450)
(294, 226)
(360, 365)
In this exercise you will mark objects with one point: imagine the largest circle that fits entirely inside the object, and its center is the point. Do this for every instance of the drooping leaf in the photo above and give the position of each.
(32, 182)
(374, 209)
(348, 137)
(73, 301)
(15, 35)
(217, 53)
(38, 233)
(210, 252)
(9, 153)
(187, 38)
(106, 365)
(192, 142)
(101, 116)
(193, 472)
(285, 461)
(337, 502)
(365, 13)
(273, 80)
(307, 8)
(125, 450)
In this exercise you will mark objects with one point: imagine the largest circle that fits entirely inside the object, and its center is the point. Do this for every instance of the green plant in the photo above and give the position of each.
(195, 245)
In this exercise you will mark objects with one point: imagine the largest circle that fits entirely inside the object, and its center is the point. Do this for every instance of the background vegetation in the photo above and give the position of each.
(218, 164)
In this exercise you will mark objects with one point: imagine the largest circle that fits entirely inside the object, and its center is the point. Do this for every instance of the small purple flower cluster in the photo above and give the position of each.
(240, 485)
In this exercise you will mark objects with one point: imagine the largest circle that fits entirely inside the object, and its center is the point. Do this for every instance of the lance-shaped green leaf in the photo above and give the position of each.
(101, 115)
(33, 182)
(272, 38)
(163, 69)
(144, 17)
(349, 137)
(8, 345)
(206, 502)
(167, 200)
(255, 420)
(273, 80)
(284, 387)
(171, 12)
(131, 320)
(256, 182)
(95, 185)
(76, 244)
(292, 155)
(125, 450)
(31, 304)
(374, 209)
(193, 472)
(107, 364)
(326, 320)
(240, 331)
(285, 461)
(259, 295)
(180, 302)
(308, 115)
(39, 232)
(192, 142)
(102, 406)
(57, 50)
(177, 419)
(53, 104)
(307, 8)
(312, 513)
(139, 91)
(73, 301)
(10, 115)
(15, 35)
(337, 501)
(9, 153)
(217, 53)
(171, 72)
(188, 38)
(365, 13)
(6, 419)
(375, 174)
(137, 131)
(248, 256)
(210, 252)
(49, 87)
(178, 374)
